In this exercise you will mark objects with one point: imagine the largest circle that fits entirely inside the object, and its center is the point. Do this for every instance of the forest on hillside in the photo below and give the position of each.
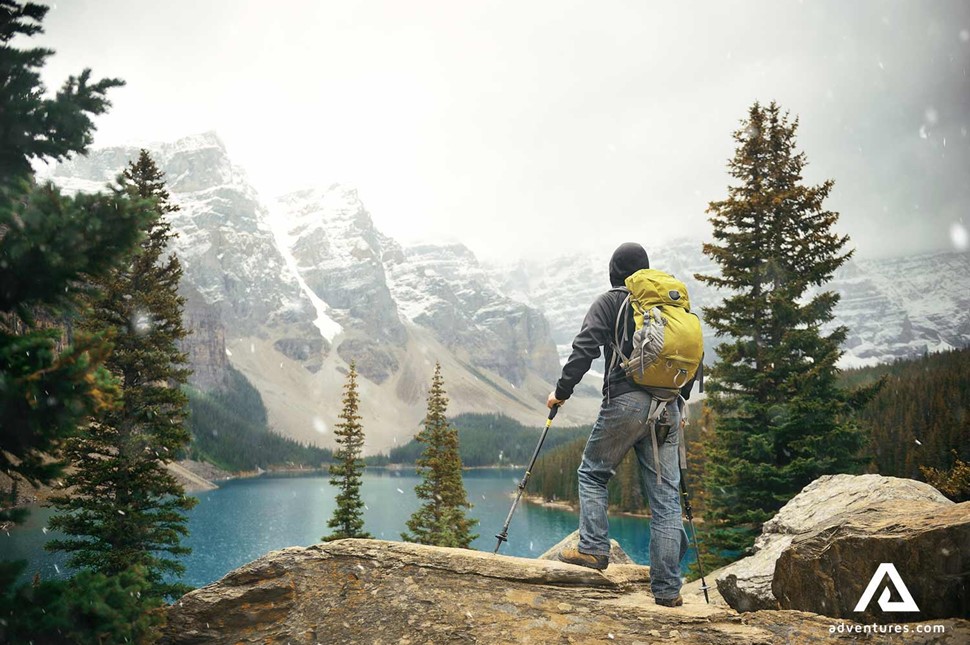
(919, 417)
(230, 429)
(493, 440)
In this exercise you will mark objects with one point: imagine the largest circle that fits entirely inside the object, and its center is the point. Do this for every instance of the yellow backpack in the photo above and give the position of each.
(667, 344)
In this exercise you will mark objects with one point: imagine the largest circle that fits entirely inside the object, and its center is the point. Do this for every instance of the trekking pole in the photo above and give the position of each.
(504, 535)
(693, 531)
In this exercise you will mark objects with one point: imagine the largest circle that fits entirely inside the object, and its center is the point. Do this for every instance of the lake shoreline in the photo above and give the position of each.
(573, 507)
(271, 510)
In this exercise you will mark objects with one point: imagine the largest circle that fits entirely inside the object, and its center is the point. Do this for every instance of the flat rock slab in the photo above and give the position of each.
(928, 544)
(371, 591)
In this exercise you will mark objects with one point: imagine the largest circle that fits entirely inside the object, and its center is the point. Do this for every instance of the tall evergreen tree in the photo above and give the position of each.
(125, 508)
(49, 380)
(441, 520)
(345, 473)
(52, 379)
(781, 420)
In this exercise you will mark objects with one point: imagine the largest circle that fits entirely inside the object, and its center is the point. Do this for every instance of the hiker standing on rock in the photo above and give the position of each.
(631, 409)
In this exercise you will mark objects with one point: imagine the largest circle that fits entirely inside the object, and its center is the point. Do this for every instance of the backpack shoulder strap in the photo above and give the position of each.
(621, 324)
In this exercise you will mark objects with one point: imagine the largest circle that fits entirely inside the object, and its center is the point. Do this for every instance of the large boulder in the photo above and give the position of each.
(829, 570)
(746, 585)
(371, 591)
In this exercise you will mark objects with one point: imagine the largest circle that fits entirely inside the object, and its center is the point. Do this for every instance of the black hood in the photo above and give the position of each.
(627, 259)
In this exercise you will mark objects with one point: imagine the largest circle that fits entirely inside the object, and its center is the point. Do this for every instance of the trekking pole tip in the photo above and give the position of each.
(704, 588)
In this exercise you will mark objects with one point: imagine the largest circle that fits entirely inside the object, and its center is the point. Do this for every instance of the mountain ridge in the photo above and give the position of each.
(294, 289)
(894, 307)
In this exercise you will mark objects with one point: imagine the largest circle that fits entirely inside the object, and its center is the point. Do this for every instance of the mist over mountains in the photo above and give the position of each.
(291, 290)
(893, 307)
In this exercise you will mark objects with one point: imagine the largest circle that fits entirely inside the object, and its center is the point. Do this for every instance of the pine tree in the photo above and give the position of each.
(441, 520)
(50, 379)
(125, 508)
(87, 608)
(34, 127)
(345, 473)
(781, 420)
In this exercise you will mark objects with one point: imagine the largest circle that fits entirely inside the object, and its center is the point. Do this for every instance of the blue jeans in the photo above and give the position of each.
(621, 425)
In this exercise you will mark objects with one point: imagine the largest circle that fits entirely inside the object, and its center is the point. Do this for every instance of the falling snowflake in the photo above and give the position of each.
(400, 491)
(120, 512)
(228, 353)
(141, 322)
(958, 235)
(319, 425)
(44, 530)
(918, 442)
(57, 569)
(610, 636)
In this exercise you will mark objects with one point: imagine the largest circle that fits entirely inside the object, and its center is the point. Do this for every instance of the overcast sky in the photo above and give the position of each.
(548, 127)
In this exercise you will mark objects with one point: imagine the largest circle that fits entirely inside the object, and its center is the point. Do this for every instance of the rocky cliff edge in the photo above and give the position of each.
(372, 591)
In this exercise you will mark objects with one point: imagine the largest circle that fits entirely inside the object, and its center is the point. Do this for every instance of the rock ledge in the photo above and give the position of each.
(371, 591)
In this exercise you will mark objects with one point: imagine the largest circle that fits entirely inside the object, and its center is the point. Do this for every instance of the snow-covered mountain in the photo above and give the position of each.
(563, 288)
(903, 307)
(894, 308)
(444, 289)
(292, 290)
(227, 248)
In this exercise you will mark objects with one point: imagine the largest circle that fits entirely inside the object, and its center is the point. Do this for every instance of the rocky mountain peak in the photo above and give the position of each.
(334, 205)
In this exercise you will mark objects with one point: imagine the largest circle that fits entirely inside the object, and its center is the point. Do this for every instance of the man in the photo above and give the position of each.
(623, 423)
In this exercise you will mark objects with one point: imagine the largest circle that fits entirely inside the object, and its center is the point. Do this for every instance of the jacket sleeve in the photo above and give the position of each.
(596, 332)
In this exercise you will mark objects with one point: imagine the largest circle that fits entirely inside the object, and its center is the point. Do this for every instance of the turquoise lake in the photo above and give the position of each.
(246, 518)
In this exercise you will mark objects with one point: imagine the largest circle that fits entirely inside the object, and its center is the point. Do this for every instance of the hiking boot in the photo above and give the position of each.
(575, 556)
(670, 602)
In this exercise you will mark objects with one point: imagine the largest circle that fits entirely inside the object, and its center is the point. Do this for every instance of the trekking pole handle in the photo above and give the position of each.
(552, 412)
